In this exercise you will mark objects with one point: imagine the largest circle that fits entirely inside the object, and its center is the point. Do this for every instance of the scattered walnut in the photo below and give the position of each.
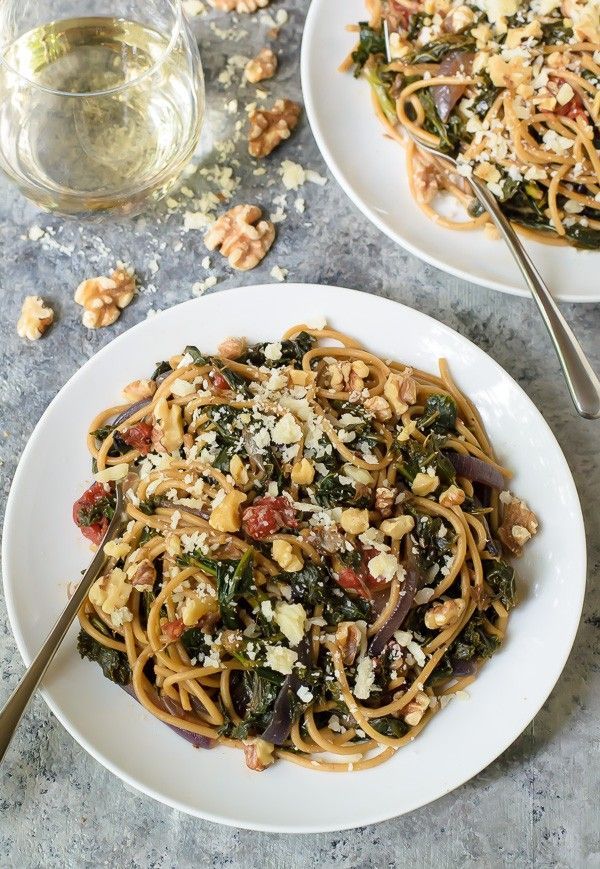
(452, 496)
(398, 527)
(262, 66)
(384, 500)
(167, 433)
(378, 406)
(348, 637)
(414, 711)
(238, 5)
(232, 348)
(138, 390)
(519, 524)
(269, 128)
(285, 556)
(226, 515)
(444, 615)
(424, 484)
(145, 575)
(426, 181)
(35, 318)
(400, 389)
(347, 376)
(242, 236)
(259, 754)
(104, 298)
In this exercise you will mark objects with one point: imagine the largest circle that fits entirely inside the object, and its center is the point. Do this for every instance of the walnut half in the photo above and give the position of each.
(35, 318)
(262, 66)
(104, 298)
(269, 128)
(242, 236)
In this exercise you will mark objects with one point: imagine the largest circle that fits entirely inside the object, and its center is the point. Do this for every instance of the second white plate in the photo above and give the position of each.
(371, 170)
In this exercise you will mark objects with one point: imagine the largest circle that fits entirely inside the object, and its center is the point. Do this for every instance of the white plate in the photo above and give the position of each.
(43, 551)
(372, 171)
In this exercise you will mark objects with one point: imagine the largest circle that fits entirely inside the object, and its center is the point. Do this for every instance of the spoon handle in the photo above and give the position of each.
(11, 713)
(582, 382)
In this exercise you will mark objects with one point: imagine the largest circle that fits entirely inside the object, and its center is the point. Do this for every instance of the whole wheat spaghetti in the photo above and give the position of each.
(313, 562)
(510, 90)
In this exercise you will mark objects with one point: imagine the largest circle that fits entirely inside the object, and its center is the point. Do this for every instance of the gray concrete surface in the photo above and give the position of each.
(537, 805)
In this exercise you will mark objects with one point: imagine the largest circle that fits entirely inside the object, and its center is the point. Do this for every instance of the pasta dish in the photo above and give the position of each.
(510, 89)
(314, 562)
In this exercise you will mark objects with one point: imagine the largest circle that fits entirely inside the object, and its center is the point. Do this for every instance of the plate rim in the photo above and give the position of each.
(332, 164)
(131, 780)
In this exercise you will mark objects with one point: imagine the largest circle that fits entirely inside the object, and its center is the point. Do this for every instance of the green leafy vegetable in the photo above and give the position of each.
(435, 51)
(380, 88)
(556, 32)
(258, 690)
(500, 576)
(485, 96)
(161, 368)
(390, 726)
(332, 492)
(194, 642)
(415, 458)
(103, 508)
(473, 642)
(439, 414)
(313, 585)
(434, 540)
(197, 356)
(370, 42)
(115, 665)
(292, 351)
(234, 579)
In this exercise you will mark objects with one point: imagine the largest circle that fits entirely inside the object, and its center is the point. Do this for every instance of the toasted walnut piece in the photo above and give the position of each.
(232, 348)
(400, 389)
(354, 521)
(238, 471)
(303, 473)
(398, 527)
(35, 318)
(424, 484)
(414, 711)
(347, 376)
(262, 66)
(452, 496)
(138, 390)
(283, 553)
(242, 236)
(144, 576)
(519, 524)
(378, 406)
(226, 515)
(426, 181)
(348, 637)
(259, 754)
(240, 6)
(301, 378)
(111, 592)
(167, 433)
(444, 615)
(173, 545)
(384, 500)
(268, 128)
(104, 298)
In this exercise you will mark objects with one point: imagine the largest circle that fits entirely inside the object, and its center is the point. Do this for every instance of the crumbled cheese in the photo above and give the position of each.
(267, 610)
(365, 677)
(291, 618)
(305, 694)
(279, 273)
(384, 566)
(181, 387)
(286, 430)
(112, 473)
(273, 351)
(280, 659)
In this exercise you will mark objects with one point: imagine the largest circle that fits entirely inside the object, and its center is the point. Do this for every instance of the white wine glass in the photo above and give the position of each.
(101, 101)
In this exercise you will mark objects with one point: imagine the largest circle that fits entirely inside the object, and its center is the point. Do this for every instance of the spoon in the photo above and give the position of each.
(582, 382)
(15, 706)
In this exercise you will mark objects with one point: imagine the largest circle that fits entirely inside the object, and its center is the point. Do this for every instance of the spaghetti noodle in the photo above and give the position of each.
(312, 565)
(510, 90)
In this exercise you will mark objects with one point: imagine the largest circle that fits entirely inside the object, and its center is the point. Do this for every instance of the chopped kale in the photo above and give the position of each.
(161, 368)
(257, 691)
(473, 642)
(103, 508)
(415, 458)
(370, 42)
(390, 726)
(556, 32)
(197, 357)
(435, 51)
(194, 642)
(433, 540)
(114, 663)
(500, 576)
(330, 491)
(485, 96)
(292, 351)
(313, 585)
(439, 414)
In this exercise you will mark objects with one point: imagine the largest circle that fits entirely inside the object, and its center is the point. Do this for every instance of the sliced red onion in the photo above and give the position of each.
(399, 613)
(278, 729)
(476, 470)
(446, 96)
(463, 668)
(125, 414)
(196, 739)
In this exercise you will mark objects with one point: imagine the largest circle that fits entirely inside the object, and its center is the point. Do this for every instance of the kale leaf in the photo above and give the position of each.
(114, 663)
(439, 414)
(500, 576)
(197, 356)
(434, 539)
(103, 508)
(194, 642)
(390, 726)
(313, 585)
(435, 51)
(370, 42)
(234, 579)
(292, 351)
(473, 642)
(257, 692)
(415, 458)
(161, 368)
(332, 492)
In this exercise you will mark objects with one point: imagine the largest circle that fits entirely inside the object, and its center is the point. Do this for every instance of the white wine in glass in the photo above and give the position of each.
(97, 112)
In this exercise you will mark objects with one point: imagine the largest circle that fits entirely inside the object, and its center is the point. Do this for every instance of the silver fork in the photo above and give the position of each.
(15, 706)
(582, 382)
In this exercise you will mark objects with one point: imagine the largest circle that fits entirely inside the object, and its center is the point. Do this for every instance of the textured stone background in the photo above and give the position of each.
(537, 806)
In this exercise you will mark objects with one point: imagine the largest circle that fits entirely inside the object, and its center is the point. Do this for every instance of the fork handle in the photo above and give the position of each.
(582, 382)
(18, 700)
